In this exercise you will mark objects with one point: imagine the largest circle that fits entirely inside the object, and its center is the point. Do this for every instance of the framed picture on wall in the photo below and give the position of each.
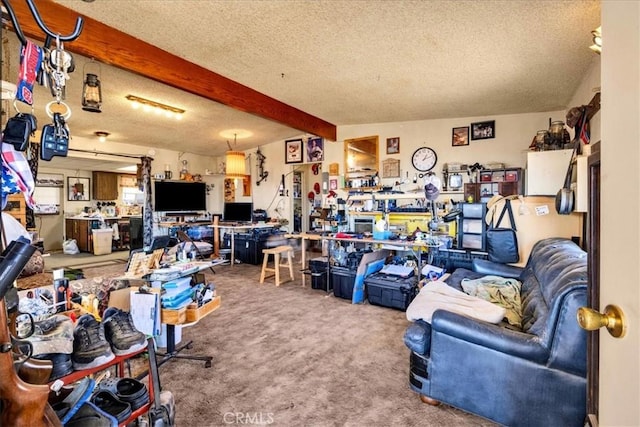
(315, 149)
(460, 136)
(393, 145)
(78, 188)
(483, 130)
(293, 151)
(49, 180)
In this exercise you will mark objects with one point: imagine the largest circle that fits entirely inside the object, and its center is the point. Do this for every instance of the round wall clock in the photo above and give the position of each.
(424, 159)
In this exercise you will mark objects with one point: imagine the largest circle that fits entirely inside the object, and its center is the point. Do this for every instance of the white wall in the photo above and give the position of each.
(513, 137)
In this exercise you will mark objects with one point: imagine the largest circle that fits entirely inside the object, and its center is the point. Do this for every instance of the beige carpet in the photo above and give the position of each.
(293, 356)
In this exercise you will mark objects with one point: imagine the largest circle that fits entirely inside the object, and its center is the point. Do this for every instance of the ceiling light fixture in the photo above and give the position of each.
(235, 162)
(91, 89)
(157, 107)
(597, 40)
(102, 135)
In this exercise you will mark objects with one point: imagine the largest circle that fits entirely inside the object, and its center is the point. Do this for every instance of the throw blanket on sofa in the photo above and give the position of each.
(498, 290)
(440, 296)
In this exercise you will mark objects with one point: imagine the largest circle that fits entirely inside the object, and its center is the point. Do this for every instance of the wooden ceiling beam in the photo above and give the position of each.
(113, 47)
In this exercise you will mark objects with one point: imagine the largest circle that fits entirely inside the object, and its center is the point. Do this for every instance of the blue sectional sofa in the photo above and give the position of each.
(534, 375)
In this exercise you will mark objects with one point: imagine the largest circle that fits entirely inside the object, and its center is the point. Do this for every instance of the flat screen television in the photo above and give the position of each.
(177, 196)
(238, 211)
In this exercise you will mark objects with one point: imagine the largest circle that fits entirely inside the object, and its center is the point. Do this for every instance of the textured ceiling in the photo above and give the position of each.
(347, 62)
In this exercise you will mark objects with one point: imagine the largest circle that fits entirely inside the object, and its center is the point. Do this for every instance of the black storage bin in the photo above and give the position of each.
(450, 259)
(319, 281)
(247, 246)
(342, 280)
(318, 272)
(319, 264)
(391, 291)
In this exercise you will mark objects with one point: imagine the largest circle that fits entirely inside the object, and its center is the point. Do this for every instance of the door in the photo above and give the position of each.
(619, 379)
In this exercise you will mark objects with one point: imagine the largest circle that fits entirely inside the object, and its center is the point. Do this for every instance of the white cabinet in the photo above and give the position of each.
(546, 171)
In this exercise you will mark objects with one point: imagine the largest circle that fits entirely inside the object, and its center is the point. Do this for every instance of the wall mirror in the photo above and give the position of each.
(361, 157)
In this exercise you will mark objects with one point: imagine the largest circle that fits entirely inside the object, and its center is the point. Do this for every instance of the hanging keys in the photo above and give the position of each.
(55, 138)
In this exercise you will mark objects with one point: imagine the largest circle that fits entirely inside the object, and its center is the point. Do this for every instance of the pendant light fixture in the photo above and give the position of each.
(91, 90)
(235, 162)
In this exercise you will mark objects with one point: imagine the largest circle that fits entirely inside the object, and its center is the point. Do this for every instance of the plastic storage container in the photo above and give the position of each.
(318, 272)
(102, 240)
(391, 291)
(342, 280)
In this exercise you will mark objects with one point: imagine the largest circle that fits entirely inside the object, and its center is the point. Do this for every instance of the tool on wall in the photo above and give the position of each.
(262, 174)
(282, 189)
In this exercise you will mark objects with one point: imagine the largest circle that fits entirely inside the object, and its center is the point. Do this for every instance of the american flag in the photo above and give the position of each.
(585, 134)
(16, 175)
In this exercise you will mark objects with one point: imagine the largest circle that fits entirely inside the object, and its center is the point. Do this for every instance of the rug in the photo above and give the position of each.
(293, 356)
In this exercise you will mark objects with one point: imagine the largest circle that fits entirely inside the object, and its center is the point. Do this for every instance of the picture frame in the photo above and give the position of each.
(460, 136)
(293, 151)
(49, 180)
(483, 130)
(315, 149)
(78, 189)
(393, 145)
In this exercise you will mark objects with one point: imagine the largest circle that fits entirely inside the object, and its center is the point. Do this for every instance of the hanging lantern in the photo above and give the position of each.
(91, 91)
(235, 162)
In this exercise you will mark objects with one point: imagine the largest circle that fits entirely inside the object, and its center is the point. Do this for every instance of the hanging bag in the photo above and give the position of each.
(502, 243)
(18, 130)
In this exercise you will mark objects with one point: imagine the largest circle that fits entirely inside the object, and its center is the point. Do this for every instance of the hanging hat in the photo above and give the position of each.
(316, 187)
(431, 192)
(311, 196)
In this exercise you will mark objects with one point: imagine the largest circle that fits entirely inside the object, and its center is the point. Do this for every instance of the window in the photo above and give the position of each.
(132, 196)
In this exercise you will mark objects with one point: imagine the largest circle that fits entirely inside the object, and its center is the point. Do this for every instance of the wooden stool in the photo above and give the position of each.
(276, 252)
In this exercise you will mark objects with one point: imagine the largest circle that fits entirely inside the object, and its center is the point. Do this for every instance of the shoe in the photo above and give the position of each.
(89, 415)
(121, 332)
(90, 347)
(127, 390)
(69, 400)
(62, 364)
(109, 403)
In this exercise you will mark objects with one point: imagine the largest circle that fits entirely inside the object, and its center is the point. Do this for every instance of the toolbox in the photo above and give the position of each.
(392, 291)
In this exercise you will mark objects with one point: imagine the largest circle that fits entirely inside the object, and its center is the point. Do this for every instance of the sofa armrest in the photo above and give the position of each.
(496, 269)
(494, 337)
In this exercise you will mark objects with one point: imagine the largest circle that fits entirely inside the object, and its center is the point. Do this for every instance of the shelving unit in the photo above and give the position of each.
(119, 363)
(16, 207)
(472, 228)
(506, 182)
(297, 201)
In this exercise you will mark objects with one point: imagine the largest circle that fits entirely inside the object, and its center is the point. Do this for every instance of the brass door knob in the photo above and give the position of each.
(613, 319)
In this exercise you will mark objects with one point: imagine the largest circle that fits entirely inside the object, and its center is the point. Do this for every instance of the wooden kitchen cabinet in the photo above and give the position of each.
(105, 186)
(80, 231)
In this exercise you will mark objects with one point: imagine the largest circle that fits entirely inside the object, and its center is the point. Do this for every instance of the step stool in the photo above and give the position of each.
(276, 252)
